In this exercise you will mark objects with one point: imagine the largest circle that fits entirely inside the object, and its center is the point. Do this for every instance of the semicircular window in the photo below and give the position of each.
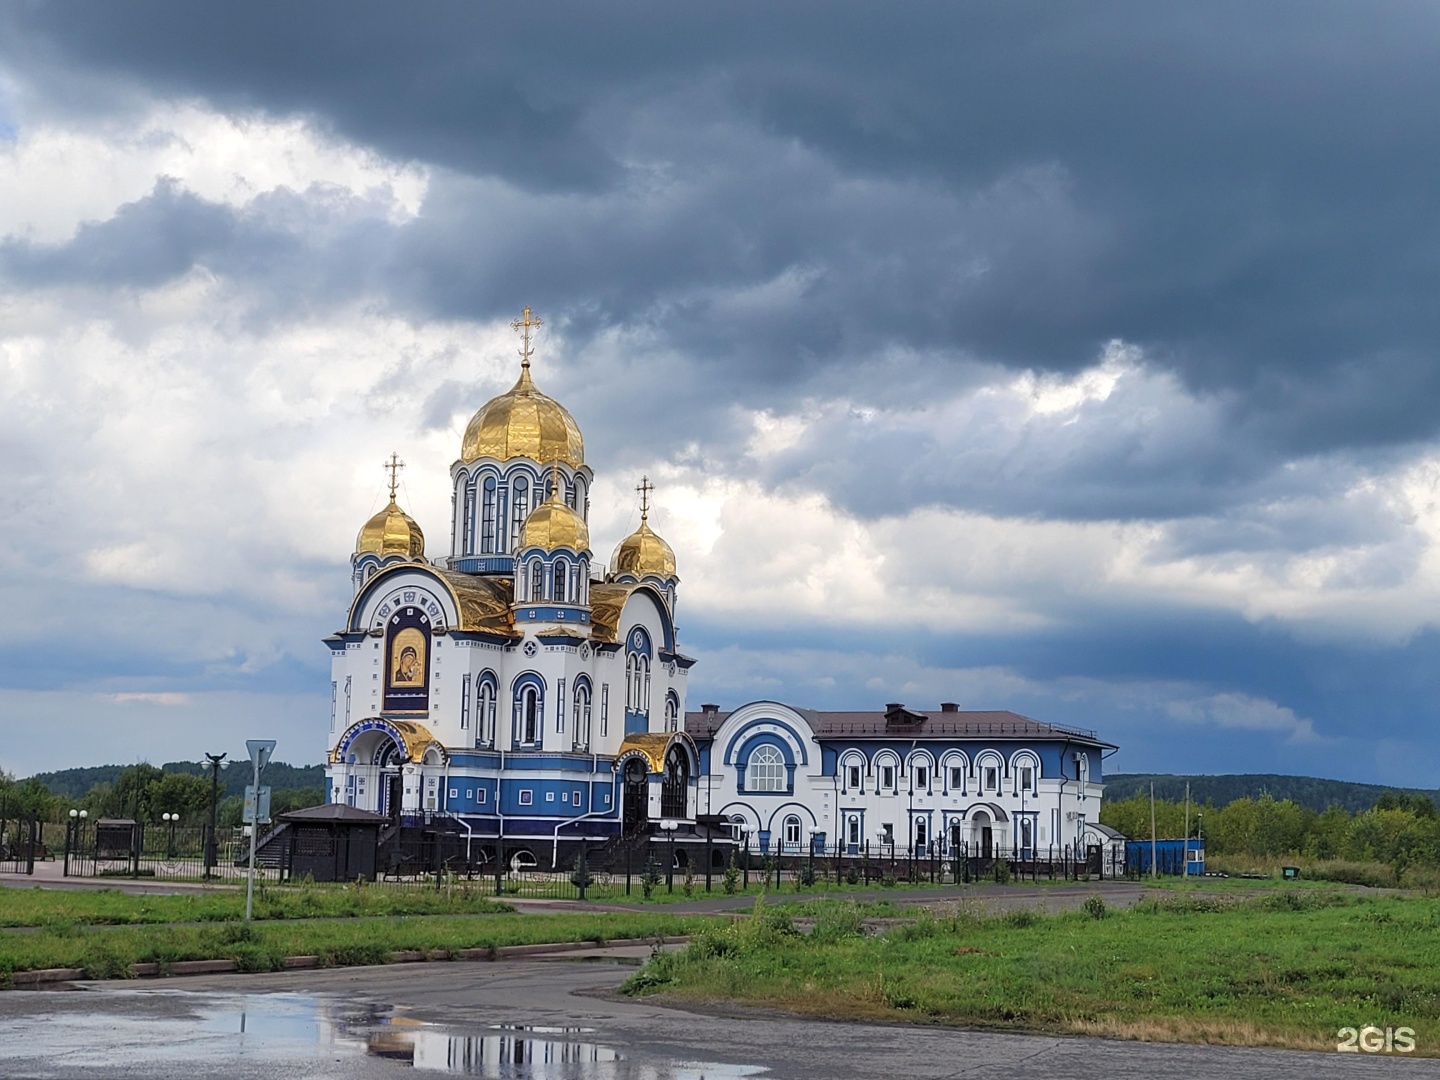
(766, 770)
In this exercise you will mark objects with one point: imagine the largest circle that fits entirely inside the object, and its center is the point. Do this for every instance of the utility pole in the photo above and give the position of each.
(260, 751)
(1186, 871)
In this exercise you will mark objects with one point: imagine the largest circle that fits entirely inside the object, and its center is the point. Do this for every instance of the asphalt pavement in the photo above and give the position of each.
(548, 1019)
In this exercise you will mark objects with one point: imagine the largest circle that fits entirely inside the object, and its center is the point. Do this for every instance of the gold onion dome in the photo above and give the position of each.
(553, 525)
(643, 553)
(391, 532)
(523, 423)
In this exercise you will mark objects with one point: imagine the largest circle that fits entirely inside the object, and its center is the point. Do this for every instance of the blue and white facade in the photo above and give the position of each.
(988, 783)
(510, 686)
(535, 698)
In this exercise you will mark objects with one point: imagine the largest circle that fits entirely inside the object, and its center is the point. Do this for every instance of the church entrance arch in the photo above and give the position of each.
(635, 804)
(982, 835)
(675, 788)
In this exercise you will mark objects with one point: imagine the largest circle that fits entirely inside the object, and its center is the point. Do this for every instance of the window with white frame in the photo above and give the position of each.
(992, 778)
(922, 778)
(792, 833)
(485, 713)
(519, 509)
(887, 777)
(853, 774)
(766, 769)
(561, 576)
(852, 830)
(1027, 778)
(957, 778)
(537, 581)
(528, 706)
(582, 716)
(672, 713)
(487, 518)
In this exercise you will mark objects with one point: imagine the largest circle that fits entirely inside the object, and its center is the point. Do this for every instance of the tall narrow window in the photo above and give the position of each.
(672, 713)
(582, 716)
(557, 592)
(852, 777)
(560, 705)
(465, 702)
(487, 517)
(537, 581)
(1027, 778)
(520, 506)
(604, 710)
(334, 699)
(485, 714)
(529, 715)
(467, 521)
(792, 834)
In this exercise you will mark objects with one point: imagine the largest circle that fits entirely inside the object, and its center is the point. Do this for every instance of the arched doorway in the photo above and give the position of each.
(982, 835)
(675, 787)
(635, 802)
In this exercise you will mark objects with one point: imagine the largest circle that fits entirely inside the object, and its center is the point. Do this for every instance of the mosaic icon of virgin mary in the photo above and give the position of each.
(409, 653)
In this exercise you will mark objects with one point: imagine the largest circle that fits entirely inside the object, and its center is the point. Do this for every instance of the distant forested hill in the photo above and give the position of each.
(74, 783)
(1308, 791)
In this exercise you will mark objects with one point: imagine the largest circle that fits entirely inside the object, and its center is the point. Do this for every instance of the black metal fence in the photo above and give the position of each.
(123, 848)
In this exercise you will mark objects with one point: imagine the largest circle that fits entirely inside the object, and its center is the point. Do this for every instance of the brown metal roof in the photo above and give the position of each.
(998, 723)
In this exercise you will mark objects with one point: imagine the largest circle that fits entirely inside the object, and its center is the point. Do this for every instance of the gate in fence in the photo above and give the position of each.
(21, 844)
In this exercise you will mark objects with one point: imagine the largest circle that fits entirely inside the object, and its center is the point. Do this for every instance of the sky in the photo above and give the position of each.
(1078, 360)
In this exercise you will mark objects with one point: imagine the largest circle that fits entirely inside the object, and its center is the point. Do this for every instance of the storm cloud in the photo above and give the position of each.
(1076, 357)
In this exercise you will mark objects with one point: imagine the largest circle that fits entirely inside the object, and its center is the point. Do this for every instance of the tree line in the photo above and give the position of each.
(1401, 829)
(146, 792)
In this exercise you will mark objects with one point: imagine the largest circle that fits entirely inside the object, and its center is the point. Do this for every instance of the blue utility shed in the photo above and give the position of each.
(1174, 857)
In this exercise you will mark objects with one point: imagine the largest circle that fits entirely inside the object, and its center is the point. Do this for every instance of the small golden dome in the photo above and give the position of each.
(391, 532)
(523, 423)
(644, 553)
(553, 524)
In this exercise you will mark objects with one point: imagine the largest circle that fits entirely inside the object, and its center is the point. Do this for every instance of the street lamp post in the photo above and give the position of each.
(217, 762)
(170, 822)
(670, 827)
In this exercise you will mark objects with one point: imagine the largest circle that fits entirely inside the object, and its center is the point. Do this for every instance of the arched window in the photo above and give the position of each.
(766, 770)
(520, 509)
(529, 714)
(485, 711)
(852, 775)
(487, 517)
(672, 712)
(537, 581)
(792, 833)
(922, 835)
(637, 683)
(467, 521)
(582, 715)
(561, 573)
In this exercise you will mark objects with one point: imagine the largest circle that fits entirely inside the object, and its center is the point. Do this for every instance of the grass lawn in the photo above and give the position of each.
(62, 907)
(108, 951)
(1285, 970)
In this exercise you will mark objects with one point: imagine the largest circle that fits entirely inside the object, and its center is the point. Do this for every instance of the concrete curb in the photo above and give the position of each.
(492, 953)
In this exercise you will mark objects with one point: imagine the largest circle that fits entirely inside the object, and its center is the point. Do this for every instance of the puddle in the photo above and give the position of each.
(172, 1027)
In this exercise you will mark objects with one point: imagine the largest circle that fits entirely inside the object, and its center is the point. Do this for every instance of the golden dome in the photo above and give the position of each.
(643, 553)
(552, 524)
(391, 532)
(523, 423)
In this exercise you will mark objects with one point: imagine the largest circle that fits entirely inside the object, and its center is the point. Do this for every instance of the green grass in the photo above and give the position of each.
(108, 952)
(1284, 970)
(52, 907)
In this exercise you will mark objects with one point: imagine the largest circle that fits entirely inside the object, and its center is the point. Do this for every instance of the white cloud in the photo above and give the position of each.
(55, 178)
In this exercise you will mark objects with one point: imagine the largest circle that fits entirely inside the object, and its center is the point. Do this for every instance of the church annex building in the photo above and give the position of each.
(534, 698)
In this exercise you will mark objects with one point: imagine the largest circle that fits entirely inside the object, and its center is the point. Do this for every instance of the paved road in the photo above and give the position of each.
(363, 1023)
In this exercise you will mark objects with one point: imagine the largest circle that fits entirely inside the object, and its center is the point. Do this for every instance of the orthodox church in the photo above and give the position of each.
(534, 698)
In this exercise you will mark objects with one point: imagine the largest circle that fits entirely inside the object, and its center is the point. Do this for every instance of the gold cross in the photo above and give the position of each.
(525, 324)
(393, 467)
(644, 488)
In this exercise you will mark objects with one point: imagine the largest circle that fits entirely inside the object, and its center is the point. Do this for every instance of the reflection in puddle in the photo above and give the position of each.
(503, 1052)
(167, 1032)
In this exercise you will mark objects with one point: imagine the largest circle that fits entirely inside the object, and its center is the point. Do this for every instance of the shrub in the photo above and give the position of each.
(1002, 872)
(731, 882)
(1094, 906)
(650, 878)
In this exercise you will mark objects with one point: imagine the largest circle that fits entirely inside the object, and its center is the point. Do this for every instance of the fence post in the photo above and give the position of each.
(137, 841)
(629, 853)
(34, 839)
(582, 872)
(709, 856)
(499, 867)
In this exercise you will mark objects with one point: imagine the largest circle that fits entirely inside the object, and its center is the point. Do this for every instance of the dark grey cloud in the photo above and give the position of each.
(1245, 192)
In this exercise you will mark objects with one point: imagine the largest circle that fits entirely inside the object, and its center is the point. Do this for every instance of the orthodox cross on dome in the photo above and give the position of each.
(644, 488)
(555, 488)
(525, 324)
(393, 467)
